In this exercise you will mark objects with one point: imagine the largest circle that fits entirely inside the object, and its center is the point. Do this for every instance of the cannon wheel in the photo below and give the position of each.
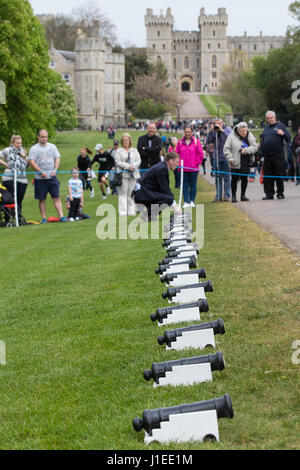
(209, 438)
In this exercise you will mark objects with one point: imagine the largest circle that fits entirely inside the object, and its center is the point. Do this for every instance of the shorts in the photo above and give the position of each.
(45, 186)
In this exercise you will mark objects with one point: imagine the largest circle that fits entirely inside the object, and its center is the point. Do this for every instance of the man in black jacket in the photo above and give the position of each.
(153, 188)
(272, 149)
(149, 147)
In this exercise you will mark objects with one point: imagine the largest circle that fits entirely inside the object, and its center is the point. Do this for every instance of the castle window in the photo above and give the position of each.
(186, 47)
(240, 47)
(214, 62)
(198, 63)
(66, 77)
(158, 33)
(186, 62)
(214, 34)
(164, 46)
(174, 63)
(214, 74)
(96, 95)
(153, 47)
(240, 64)
(255, 47)
(219, 46)
(208, 45)
(158, 59)
(52, 64)
(174, 48)
(271, 46)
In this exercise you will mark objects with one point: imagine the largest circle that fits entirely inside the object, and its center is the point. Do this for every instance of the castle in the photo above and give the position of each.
(195, 59)
(97, 76)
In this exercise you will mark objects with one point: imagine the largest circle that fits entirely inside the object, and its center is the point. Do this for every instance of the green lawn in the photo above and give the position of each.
(75, 318)
(211, 101)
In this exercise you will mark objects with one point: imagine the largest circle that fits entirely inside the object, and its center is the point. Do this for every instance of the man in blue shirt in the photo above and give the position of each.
(272, 149)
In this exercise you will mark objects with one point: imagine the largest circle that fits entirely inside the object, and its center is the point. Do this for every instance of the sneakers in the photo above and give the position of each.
(244, 199)
(192, 204)
(185, 205)
(92, 193)
(44, 221)
(280, 196)
(104, 197)
(234, 200)
(107, 190)
(63, 219)
(71, 219)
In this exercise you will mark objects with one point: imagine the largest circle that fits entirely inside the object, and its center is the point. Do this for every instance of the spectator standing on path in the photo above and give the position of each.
(239, 148)
(45, 160)
(14, 157)
(112, 176)
(149, 147)
(191, 153)
(272, 149)
(296, 155)
(216, 139)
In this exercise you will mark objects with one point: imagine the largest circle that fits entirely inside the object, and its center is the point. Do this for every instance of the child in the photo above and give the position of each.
(75, 193)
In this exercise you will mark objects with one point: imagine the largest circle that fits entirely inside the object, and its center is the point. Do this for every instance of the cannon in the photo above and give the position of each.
(188, 293)
(194, 336)
(183, 278)
(185, 371)
(188, 422)
(180, 313)
(177, 266)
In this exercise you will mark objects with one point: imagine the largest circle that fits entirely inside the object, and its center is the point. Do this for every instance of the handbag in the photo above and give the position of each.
(118, 179)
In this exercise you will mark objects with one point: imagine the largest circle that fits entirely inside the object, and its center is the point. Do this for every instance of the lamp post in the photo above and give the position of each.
(178, 108)
(218, 106)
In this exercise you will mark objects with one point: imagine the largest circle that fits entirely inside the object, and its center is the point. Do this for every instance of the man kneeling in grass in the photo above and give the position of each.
(153, 189)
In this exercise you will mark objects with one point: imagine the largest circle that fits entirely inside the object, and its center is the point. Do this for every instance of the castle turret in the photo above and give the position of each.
(159, 37)
(213, 32)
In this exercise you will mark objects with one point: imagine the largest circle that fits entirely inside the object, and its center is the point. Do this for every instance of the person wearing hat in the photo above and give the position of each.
(106, 164)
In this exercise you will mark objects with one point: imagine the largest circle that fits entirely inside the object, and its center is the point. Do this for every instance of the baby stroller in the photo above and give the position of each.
(7, 209)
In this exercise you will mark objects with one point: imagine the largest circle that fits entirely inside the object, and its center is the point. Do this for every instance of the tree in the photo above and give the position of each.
(63, 104)
(294, 31)
(24, 70)
(62, 30)
(154, 86)
(149, 109)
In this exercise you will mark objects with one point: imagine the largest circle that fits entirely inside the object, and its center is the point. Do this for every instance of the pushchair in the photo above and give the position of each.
(7, 209)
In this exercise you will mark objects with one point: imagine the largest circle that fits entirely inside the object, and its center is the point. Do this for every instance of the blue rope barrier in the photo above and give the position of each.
(230, 173)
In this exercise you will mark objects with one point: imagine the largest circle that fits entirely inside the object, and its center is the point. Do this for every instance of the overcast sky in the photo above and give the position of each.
(269, 16)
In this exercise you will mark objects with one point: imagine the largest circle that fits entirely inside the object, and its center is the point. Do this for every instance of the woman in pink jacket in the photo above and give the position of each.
(191, 153)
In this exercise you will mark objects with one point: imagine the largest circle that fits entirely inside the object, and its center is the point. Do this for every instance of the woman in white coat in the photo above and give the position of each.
(127, 160)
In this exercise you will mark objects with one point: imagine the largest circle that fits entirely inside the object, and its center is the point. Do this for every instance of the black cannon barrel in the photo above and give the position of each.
(192, 264)
(178, 253)
(171, 335)
(153, 418)
(171, 276)
(175, 260)
(170, 241)
(162, 313)
(184, 247)
(159, 369)
(172, 291)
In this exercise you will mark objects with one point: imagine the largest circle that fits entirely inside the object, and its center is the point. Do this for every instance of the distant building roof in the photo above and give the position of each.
(69, 55)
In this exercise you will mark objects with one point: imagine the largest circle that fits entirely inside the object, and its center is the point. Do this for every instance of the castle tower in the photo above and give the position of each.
(214, 50)
(159, 38)
(89, 69)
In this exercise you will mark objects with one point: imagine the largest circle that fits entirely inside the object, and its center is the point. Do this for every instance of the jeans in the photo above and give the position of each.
(223, 180)
(190, 186)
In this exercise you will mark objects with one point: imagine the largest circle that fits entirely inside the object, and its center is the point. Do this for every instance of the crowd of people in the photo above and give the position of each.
(124, 170)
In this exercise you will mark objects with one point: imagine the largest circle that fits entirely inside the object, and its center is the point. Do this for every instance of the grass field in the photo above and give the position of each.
(75, 319)
(211, 101)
